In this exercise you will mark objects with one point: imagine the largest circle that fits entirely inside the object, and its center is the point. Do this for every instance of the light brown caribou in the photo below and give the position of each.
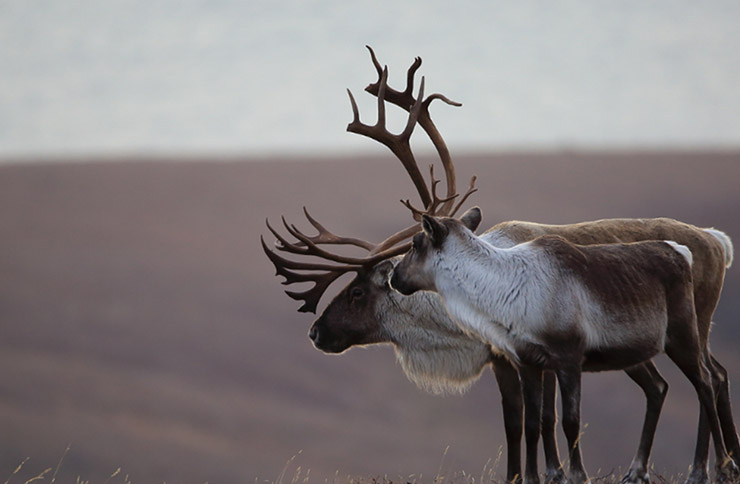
(434, 352)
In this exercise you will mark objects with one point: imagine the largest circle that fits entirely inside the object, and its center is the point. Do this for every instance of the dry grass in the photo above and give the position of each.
(49, 475)
(491, 473)
(292, 474)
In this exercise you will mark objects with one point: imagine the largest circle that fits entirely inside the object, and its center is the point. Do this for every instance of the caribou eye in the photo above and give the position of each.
(357, 292)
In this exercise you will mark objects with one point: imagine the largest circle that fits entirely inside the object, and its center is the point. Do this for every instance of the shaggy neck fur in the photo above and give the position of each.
(433, 352)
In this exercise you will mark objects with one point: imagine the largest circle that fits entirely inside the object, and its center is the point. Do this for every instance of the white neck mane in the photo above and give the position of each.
(433, 351)
(492, 291)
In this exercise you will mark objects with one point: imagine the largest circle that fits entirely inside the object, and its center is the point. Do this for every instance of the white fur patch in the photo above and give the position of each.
(683, 250)
(433, 351)
(726, 243)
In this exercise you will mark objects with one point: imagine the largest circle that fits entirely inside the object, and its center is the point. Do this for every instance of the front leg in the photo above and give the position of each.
(569, 379)
(553, 468)
(532, 392)
(511, 403)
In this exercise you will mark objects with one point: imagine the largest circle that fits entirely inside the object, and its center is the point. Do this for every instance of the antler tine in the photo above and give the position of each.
(284, 245)
(381, 100)
(312, 248)
(286, 267)
(431, 209)
(308, 246)
(385, 246)
(471, 189)
(377, 65)
(439, 144)
(323, 275)
(327, 237)
(321, 281)
(312, 296)
(403, 99)
(414, 113)
(442, 98)
(300, 248)
(398, 144)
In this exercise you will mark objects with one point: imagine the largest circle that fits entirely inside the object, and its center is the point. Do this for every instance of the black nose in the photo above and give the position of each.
(314, 334)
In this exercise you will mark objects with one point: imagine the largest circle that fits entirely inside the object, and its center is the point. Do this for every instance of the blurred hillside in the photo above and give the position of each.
(142, 324)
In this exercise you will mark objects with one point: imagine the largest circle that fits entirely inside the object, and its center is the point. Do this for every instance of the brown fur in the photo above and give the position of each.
(708, 270)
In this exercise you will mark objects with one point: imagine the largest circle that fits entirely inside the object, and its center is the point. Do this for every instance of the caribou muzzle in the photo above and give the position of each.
(400, 285)
(323, 340)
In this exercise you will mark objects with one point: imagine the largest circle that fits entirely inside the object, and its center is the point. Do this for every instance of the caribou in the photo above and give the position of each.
(433, 350)
(548, 304)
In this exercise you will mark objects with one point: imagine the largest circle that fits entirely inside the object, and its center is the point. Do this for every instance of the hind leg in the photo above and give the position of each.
(721, 388)
(686, 344)
(706, 297)
(688, 358)
(724, 407)
(655, 387)
(700, 467)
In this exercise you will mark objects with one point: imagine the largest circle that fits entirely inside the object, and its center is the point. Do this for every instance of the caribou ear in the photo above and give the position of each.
(435, 230)
(382, 272)
(471, 219)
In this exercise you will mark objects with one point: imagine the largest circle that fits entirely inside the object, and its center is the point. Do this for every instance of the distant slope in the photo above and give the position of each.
(141, 322)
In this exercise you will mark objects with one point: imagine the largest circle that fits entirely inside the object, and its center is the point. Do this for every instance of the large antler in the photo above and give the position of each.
(405, 100)
(323, 274)
(398, 144)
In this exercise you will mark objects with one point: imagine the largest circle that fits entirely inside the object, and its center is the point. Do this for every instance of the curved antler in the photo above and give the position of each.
(445, 209)
(398, 144)
(322, 280)
(322, 275)
(405, 100)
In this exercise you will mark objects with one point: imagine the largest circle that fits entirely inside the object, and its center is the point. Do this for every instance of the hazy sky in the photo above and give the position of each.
(253, 77)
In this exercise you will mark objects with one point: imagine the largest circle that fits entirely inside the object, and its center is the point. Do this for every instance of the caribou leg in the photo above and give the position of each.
(692, 365)
(569, 379)
(511, 402)
(724, 408)
(553, 469)
(699, 376)
(532, 391)
(700, 467)
(721, 387)
(655, 387)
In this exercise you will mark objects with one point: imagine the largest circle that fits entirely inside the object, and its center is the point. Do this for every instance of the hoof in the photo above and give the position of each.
(698, 476)
(576, 478)
(728, 473)
(517, 479)
(636, 476)
(556, 477)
